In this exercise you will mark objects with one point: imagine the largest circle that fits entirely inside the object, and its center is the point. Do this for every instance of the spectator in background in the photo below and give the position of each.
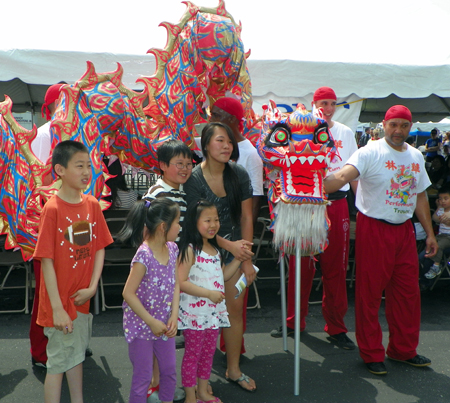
(432, 145)
(411, 141)
(121, 197)
(375, 135)
(445, 150)
(437, 171)
(365, 137)
(446, 139)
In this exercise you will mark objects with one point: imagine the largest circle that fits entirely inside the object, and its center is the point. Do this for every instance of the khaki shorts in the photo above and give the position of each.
(65, 351)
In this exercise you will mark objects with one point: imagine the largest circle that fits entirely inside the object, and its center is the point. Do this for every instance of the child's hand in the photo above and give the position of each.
(242, 250)
(172, 327)
(216, 296)
(62, 321)
(157, 327)
(82, 296)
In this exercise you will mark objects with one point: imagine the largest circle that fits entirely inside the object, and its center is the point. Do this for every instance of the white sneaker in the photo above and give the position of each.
(433, 272)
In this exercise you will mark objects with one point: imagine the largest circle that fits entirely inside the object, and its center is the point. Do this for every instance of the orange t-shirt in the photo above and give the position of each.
(70, 234)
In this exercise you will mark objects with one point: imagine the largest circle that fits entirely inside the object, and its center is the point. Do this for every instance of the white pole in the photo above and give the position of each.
(297, 319)
(283, 302)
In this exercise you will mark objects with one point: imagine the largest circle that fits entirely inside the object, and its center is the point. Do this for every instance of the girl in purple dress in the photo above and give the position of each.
(202, 309)
(151, 296)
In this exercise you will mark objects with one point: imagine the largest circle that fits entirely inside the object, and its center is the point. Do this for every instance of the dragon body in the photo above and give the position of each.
(203, 60)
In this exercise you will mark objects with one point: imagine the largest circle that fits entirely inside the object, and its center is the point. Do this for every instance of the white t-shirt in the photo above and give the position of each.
(252, 162)
(443, 229)
(41, 145)
(345, 143)
(389, 181)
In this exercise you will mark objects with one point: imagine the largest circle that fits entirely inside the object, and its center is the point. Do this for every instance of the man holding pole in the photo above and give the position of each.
(392, 186)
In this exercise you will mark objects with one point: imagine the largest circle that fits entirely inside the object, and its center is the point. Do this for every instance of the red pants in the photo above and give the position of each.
(333, 263)
(386, 260)
(38, 340)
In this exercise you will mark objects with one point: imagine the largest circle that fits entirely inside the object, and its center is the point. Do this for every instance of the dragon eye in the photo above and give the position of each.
(279, 137)
(321, 134)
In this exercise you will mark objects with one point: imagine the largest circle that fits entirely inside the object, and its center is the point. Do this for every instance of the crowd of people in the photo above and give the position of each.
(183, 280)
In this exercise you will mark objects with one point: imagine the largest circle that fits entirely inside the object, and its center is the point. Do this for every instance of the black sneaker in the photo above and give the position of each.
(278, 333)
(343, 341)
(376, 368)
(417, 361)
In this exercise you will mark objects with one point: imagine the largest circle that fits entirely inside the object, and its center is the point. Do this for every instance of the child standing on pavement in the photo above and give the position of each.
(151, 295)
(202, 309)
(72, 237)
(443, 238)
(175, 164)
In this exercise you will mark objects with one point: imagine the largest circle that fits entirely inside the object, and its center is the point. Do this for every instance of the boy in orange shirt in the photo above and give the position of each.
(72, 237)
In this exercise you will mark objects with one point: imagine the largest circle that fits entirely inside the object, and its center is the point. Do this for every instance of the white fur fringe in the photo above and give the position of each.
(306, 224)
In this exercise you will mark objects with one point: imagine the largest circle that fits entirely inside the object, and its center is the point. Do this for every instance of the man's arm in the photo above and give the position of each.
(61, 319)
(424, 216)
(334, 182)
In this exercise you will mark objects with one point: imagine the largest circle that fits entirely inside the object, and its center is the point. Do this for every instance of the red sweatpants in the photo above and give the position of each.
(386, 260)
(333, 263)
(38, 340)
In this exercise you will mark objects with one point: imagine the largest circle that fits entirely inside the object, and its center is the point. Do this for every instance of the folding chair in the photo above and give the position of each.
(13, 261)
(262, 240)
(115, 255)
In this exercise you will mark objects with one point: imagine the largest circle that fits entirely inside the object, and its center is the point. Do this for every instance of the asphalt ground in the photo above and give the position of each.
(328, 374)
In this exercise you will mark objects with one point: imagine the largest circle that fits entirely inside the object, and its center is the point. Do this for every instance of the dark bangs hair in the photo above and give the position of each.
(64, 151)
(230, 178)
(172, 148)
(150, 215)
(190, 234)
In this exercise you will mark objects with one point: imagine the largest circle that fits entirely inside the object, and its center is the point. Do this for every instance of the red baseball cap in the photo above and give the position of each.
(324, 93)
(233, 107)
(51, 96)
(398, 112)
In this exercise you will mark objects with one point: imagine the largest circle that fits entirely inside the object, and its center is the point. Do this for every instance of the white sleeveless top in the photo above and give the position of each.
(198, 313)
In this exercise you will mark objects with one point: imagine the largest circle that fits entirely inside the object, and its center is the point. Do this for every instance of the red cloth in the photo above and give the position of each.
(231, 106)
(324, 93)
(386, 260)
(334, 264)
(38, 340)
(70, 235)
(334, 274)
(398, 112)
(51, 96)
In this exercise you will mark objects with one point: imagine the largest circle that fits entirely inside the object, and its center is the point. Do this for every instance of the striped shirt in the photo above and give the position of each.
(162, 189)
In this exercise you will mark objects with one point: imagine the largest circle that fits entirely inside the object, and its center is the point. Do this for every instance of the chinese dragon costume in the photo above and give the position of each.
(297, 149)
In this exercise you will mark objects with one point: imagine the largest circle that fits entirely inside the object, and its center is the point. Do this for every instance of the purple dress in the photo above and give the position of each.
(155, 292)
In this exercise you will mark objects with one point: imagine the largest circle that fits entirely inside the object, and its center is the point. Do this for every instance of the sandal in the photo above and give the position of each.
(242, 378)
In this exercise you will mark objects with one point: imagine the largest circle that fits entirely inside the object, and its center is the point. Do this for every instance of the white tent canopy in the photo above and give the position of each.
(369, 88)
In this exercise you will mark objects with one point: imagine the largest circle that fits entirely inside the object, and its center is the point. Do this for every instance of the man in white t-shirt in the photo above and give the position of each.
(334, 260)
(392, 186)
(41, 145)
